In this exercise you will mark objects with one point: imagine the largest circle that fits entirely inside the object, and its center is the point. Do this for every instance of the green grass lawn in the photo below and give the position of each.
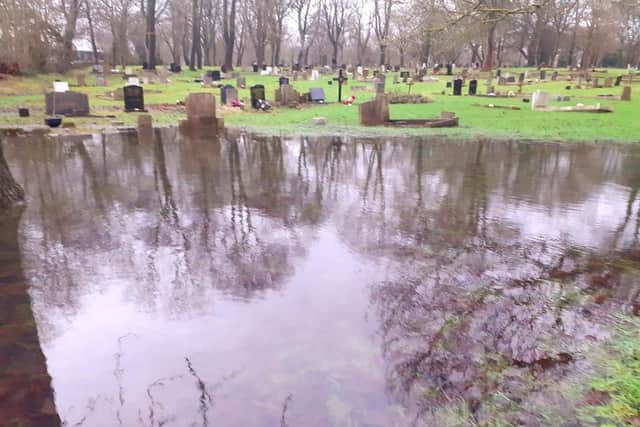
(622, 125)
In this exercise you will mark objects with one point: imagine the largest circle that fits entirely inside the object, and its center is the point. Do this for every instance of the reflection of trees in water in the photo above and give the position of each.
(175, 221)
(469, 298)
(26, 397)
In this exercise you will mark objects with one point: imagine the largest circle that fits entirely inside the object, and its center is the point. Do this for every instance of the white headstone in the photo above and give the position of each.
(540, 99)
(315, 74)
(276, 70)
(60, 87)
(133, 81)
(359, 69)
(269, 70)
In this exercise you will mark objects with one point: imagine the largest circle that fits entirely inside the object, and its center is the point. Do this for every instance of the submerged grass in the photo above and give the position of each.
(475, 120)
(619, 381)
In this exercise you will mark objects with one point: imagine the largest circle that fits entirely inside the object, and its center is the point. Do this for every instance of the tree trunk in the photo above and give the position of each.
(195, 37)
(150, 36)
(92, 35)
(229, 31)
(425, 52)
(491, 49)
(10, 191)
(383, 54)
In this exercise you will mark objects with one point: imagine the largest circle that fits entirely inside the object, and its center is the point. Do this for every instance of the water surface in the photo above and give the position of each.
(259, 281)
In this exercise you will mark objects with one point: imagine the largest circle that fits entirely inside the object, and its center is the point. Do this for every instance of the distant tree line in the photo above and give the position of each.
(40, 34)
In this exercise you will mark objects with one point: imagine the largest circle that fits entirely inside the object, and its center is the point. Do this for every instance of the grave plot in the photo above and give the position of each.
(376, 113)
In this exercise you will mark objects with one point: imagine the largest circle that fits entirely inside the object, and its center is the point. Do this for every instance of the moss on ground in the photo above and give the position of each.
(475, 121)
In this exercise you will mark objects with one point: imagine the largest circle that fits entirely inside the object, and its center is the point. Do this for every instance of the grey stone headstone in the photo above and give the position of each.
(67, 103)
(316, 94)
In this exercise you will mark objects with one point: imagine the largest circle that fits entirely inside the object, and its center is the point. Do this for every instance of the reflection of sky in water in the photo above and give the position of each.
(255, 259)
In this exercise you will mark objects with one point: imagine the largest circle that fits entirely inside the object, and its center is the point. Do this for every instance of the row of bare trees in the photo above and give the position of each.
(40, 33)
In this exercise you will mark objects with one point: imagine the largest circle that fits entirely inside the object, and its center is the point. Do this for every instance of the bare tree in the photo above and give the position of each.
(229, 31)
(278, 11)
(303, 11)
(334, 14)
(195, 60)
(259, 30)
(382, 25)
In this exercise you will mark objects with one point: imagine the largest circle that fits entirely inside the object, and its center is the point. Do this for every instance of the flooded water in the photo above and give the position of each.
(259, 281)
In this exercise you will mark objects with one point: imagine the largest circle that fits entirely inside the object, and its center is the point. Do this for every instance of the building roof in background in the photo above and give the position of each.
(83, 45)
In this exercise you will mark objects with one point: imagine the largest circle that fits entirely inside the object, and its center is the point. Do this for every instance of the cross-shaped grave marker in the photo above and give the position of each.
(340, 79)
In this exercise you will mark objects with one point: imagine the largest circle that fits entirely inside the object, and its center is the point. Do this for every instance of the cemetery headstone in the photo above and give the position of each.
(145, 128)
(207, 81)
(379, 84)
(618, 80)
(241, 82)
(164, 75)
(473, 87)
(175, 68)
(257, 94)
(82, 79)
(595, 82)
(626, 93)
(543, 74)
(133, 81)
(608, 82)
(449, 69)
(283, 80)
(227, 94)
(554, 76)
(215, 75)
(67, 103)
(374, 113)
(201, 114)
(316, 94)
(341, 79)
(540, 99)
(287, 95)
(60, 87)
(133, 99)
(457, 87)
(100, 80)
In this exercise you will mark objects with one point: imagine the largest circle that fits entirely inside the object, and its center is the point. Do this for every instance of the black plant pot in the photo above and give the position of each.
(53, 122)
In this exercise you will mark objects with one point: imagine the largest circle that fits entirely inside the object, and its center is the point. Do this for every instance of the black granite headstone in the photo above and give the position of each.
(283, 80)
(257, 94)
(618, 80)
(473, 87)
(449, 69)
(133, 99)
(457, 87)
